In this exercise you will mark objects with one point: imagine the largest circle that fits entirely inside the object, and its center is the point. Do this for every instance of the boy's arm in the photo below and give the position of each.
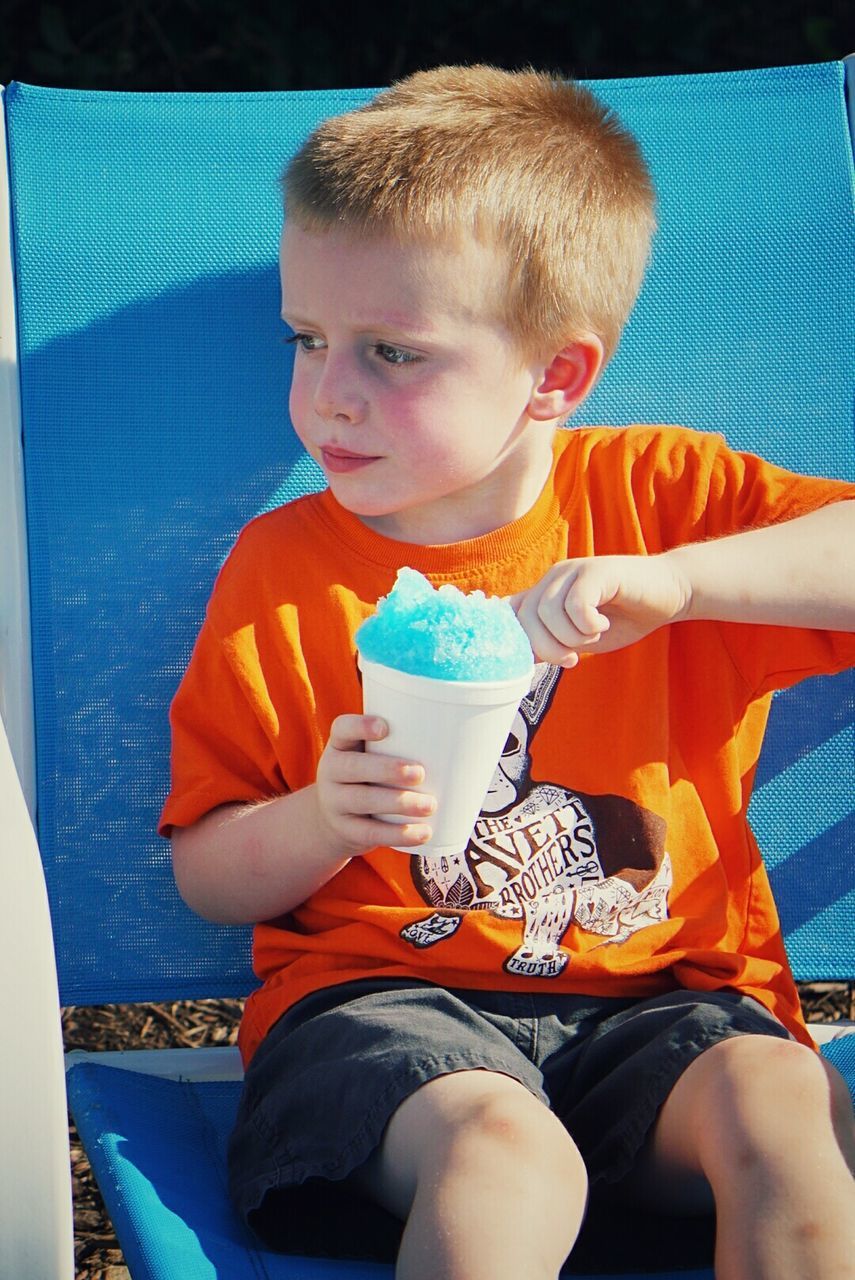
(235, 865)
(242, 863)
(797, 573)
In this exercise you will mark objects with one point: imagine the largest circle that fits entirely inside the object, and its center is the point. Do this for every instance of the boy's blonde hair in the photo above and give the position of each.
(523, 160)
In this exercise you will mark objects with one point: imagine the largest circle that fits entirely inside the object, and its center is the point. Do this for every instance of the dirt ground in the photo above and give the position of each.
(214, 1022)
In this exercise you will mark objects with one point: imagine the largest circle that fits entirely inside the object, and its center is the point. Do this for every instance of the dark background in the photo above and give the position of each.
(288, 44)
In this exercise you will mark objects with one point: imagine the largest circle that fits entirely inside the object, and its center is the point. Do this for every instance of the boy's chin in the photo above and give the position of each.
(372, 514)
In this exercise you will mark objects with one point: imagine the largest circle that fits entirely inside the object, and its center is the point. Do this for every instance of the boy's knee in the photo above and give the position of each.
(749, 1068)
(761, 1088)
(491, 1119)
(472, 1127)
(514, 1118)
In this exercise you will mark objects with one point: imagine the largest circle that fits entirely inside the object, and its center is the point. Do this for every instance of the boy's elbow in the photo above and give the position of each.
(191, 870)
(182, 848)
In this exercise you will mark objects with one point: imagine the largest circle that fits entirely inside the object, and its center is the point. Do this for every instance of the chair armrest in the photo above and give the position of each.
(36, 1228)
(825, 1032)
(211, 1062)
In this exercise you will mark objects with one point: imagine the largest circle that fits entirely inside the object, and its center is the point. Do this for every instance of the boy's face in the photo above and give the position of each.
(407, 389)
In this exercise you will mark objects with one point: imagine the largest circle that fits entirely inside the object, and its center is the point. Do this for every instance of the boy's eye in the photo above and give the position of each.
(305, 341)
(395, 355)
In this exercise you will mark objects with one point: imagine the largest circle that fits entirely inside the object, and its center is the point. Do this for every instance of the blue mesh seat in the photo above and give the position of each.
(151, 387)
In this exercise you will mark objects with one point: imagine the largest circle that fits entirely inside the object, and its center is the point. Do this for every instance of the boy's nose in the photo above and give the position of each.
(337, 396)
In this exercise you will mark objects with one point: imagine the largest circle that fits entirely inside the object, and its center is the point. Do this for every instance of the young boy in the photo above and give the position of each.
(594, 995)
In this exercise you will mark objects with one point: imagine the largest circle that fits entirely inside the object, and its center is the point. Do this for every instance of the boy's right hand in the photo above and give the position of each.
(354, 785)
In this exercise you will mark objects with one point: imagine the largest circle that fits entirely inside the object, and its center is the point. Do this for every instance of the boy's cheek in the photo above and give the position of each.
(299, 401)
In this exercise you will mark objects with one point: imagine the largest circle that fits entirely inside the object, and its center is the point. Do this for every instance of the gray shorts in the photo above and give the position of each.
(329, 1075)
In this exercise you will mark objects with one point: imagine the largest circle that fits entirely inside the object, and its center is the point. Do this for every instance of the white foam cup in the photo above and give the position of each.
(455, 729)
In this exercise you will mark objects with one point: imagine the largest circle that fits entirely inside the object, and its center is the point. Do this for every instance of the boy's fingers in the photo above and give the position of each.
(540, 637)
(362, 801)
(367, 832)
(591, 589)
(547, 647)
(413, 834)
(349, 732)
(407, 804)
(375, 770)
(561, 617)
(373, 832)
(586, 620)
(568, 607)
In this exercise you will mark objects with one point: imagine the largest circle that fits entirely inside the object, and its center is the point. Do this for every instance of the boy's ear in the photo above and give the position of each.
(567, 379)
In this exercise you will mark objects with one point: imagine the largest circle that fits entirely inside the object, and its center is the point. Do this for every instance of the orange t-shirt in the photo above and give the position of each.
(612, 855)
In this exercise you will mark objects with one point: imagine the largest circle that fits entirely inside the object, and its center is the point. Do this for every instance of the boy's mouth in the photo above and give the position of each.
(340, 461)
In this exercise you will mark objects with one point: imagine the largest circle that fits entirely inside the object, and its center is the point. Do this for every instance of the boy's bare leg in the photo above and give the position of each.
(486, 1177)
(768, 1127)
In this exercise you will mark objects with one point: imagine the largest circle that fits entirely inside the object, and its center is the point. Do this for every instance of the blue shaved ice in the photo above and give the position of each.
(444, 633)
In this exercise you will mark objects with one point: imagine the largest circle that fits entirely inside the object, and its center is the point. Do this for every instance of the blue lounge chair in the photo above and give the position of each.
(143, 421)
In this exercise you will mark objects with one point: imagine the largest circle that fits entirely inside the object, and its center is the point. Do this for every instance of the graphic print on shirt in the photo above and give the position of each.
(548, 857)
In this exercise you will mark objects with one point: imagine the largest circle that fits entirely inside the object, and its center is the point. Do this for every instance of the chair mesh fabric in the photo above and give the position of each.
(841, 1053)
(143, 1134)
(154, 395)
(154, 390)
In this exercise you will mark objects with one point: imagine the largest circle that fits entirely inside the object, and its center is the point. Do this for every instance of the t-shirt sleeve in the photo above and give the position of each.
(221, 751)
(746, 491)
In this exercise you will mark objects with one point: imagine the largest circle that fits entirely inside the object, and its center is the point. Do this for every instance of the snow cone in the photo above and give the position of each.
(447, 672)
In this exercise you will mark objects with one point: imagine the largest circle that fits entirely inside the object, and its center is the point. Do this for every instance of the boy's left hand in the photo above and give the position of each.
(599, 604)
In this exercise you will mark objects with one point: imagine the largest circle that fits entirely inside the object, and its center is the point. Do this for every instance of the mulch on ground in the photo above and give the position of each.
(192, 1024)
